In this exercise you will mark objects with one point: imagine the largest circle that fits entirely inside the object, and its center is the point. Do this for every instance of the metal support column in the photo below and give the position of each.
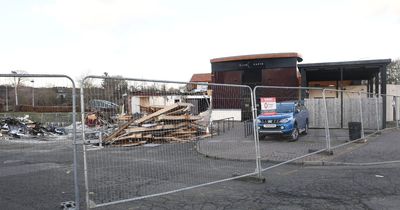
(341, 98)
(383, 92)
(377, 110)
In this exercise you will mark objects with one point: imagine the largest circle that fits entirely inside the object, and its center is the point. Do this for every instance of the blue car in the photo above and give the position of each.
(289, 119)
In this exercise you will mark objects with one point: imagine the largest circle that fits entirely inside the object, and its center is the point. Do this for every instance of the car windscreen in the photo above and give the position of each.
(284, 108)
(281, 108)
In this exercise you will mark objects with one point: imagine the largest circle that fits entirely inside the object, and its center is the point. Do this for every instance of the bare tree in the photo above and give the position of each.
(85, 83)
(19, 81)
(114, 86)
(393, 72)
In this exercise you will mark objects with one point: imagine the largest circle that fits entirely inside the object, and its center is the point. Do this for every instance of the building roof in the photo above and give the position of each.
(258, 56)
(203, 77)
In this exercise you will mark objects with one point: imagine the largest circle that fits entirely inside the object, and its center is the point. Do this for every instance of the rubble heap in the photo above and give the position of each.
(23, 126)
(171, 123)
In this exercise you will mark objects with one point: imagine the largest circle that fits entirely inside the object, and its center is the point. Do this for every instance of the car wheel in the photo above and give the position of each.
(305, 129)
(261, 136)
(294, 136)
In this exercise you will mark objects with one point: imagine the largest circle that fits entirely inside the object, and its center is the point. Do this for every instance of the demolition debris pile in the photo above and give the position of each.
(18, 127)
(171, 123)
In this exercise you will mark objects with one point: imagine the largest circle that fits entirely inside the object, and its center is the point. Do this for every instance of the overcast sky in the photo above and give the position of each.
(173, 39)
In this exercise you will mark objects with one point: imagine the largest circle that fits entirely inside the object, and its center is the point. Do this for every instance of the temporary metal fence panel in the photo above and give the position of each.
(352, 118)
(316, 108)
(146, 138)
(371, 115)
(379, 111)
(336, 118)
(364, 121)
(337, 106)
(38, 162)
(285, 116)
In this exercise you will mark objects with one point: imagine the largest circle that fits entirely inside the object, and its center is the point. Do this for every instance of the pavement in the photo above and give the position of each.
(378, 149)
(231, 145)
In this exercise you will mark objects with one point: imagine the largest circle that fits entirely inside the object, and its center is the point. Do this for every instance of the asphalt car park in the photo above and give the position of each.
(38, 176)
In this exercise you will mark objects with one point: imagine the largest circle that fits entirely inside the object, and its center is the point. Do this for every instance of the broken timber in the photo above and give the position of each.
(171, 123)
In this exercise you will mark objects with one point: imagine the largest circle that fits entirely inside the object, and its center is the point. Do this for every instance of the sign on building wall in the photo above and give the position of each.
(268, 104)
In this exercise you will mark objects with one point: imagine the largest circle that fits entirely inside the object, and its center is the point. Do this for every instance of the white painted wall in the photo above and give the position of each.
(153, 101)
(392, 90)
(135, 102)
(218, 114)
(163, 100)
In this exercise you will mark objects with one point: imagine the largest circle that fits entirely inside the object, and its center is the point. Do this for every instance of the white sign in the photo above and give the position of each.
(268, 103)
(202, 87)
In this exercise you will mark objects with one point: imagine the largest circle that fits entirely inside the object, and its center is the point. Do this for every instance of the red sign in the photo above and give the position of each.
(268, 103)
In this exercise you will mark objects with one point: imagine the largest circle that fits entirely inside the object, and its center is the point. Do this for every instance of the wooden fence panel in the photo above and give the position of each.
(351, 112)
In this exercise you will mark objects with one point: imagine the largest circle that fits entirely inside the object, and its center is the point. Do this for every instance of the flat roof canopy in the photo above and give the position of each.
(374, 71)
(352, 70)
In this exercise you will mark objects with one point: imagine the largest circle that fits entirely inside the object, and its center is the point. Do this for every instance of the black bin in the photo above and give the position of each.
(354, 130)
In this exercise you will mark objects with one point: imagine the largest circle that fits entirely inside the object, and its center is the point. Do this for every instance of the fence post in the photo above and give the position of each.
(255, 132)
(361, 115)
(327, 134)
(76, 182)
(396, 109)
(85, 171)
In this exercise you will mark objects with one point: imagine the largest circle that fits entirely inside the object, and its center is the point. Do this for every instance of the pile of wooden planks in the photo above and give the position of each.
(171, 123)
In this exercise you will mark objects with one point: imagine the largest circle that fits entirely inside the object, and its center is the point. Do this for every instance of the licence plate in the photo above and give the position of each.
(269, 125)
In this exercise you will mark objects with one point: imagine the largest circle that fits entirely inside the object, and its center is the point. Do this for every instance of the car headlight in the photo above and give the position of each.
(258, 121)
(284, 120)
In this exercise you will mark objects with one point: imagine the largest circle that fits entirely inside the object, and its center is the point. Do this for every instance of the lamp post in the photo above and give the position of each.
(15, 88)
(33, 93)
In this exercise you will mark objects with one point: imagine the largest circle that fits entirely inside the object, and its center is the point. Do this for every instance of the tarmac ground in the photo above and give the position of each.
(37, 174)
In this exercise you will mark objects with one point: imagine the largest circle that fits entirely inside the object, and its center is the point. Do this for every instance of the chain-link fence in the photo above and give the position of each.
(146, 138)
(305, 125)
(37, 142)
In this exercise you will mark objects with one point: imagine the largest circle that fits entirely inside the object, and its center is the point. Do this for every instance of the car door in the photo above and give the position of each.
(300, 116)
